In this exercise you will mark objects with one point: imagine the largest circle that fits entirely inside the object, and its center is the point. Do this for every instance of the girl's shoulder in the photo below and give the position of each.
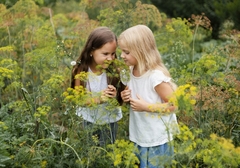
(157, 72)
(158, 75)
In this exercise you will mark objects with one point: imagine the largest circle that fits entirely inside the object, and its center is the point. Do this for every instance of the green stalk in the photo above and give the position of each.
(194, 38)
(24, 91)
(59, 142)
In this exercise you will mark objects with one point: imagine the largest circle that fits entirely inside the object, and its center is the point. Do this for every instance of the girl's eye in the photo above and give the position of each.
(125, 52)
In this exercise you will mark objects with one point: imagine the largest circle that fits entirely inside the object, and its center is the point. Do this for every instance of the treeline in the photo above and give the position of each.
(217, 11)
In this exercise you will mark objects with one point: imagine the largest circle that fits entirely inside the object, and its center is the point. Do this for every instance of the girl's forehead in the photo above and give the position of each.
(123, 48)
(122, 45)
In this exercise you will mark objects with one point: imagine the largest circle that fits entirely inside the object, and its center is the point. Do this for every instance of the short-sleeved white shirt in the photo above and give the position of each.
(99, 114)
(149, 129)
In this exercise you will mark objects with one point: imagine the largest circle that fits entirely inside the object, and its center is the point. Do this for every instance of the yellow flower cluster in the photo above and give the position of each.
(78, 96)
(123, 154)
(184, 97)
(6, 48)
(82, 76)
(55, 81)
(187, 92)
(219, 152)
(234, 91)
(3, 125)
(6, 72)
(186, 136)
(42, 112)
(213, 152)
(226, 144)
(43, 164)
(161, 108)
(209, 64)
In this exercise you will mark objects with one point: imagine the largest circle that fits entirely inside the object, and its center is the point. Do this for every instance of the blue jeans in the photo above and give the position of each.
(154, 157)
(106, 133)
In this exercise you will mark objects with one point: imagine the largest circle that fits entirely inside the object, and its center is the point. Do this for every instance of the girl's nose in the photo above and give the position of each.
(122, 55)
(110, 57)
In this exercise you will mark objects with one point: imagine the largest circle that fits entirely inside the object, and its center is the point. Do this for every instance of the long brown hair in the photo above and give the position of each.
(97, 38)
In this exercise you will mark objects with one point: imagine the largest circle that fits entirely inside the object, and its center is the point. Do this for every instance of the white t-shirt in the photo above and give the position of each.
(149, 129)
(101, 113)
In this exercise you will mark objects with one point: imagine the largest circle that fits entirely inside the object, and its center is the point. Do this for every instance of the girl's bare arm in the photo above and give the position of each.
(164, 91)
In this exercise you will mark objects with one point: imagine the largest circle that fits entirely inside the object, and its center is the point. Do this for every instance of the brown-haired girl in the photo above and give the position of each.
(96, 59)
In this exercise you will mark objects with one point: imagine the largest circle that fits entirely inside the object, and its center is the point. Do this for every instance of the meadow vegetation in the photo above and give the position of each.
(38, 124)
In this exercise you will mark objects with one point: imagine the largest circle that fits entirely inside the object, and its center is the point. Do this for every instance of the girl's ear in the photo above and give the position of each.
(91, 53)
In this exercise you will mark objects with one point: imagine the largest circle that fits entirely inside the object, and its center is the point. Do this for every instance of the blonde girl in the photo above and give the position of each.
(151, 121)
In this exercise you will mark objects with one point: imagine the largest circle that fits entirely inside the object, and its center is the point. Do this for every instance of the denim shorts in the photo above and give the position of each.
(156, 156)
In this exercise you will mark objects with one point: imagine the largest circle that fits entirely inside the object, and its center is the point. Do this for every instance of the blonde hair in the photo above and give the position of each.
(140, 42)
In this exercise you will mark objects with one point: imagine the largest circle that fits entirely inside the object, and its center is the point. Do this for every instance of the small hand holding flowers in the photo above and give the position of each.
(109, 92)
(140, 104)
(126, 94)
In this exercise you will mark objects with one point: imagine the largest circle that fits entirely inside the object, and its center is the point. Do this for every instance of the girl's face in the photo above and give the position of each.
(128, 58)
(103, 56)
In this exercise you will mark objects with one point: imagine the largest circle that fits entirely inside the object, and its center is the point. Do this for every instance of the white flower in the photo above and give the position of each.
(73, 63)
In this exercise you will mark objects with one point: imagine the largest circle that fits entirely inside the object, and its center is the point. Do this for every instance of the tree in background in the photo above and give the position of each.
(217, 11)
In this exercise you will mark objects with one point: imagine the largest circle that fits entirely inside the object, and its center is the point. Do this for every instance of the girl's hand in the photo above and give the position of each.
(111, 91)
(126, 94)
(139, 104)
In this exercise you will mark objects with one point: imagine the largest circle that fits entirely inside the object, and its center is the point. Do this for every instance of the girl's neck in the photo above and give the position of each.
(136, 71)
(95, 69)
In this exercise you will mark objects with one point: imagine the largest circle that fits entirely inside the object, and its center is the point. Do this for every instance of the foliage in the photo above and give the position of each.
(123, 154)
(122, 14)
(38, 122)
(184, 99)
(173, 41)
(193, 151)
(217, 11)
(231, 10)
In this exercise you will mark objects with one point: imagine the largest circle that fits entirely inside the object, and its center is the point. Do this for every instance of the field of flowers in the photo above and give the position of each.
(38, 124)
